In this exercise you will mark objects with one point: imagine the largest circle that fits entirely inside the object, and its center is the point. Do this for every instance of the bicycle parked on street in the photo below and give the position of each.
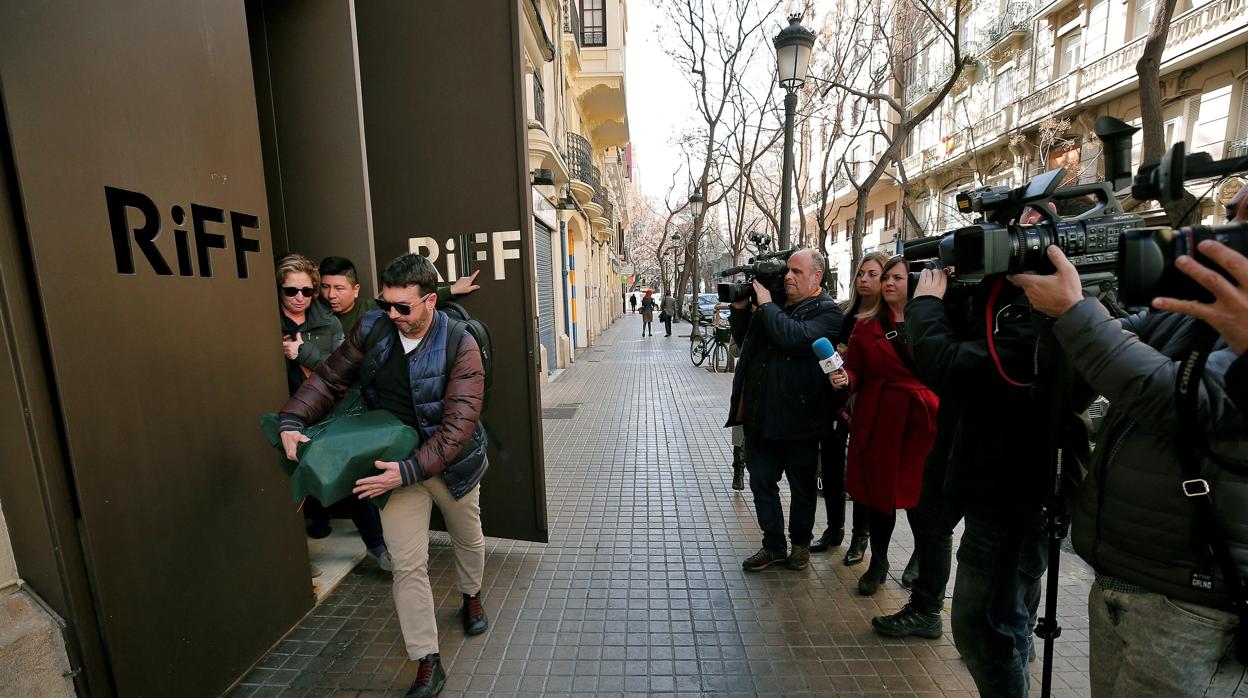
(711, 342)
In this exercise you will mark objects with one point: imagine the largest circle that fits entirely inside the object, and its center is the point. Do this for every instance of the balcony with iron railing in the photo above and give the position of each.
(1011, 23)
(925, 84)
(539, 100)
(584, 175)
(1199, 29)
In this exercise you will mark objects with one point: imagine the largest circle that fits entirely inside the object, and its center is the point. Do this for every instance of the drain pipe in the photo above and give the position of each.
(569, 287)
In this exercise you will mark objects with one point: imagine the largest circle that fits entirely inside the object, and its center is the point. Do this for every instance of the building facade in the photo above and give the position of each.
(578, 143)
(1035, 77)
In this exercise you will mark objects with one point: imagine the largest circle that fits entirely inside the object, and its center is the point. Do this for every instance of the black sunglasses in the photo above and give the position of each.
(291, 291)
(400, 308)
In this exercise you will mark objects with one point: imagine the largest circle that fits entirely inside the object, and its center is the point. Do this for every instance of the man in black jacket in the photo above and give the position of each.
(784, 402)
(998, 475)
(1161, 614)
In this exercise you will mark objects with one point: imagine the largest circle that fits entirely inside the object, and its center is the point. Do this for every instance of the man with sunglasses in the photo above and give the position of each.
(399, 355)
(340, 290)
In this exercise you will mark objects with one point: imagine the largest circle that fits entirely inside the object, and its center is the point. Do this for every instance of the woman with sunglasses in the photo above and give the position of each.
(310, 332)
(894, 422)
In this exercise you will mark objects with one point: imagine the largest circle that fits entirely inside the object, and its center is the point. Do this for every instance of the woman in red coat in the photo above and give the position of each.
(894, 420)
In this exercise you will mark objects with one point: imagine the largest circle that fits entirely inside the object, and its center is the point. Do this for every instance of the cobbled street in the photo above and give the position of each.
(640, 590)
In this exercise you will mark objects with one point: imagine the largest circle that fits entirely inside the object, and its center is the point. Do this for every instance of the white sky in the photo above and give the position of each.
(660, 101)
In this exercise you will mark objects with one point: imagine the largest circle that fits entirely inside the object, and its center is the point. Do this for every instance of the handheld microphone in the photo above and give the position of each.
(829, 360)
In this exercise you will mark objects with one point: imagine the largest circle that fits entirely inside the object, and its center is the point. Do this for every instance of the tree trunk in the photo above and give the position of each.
(1185, 210)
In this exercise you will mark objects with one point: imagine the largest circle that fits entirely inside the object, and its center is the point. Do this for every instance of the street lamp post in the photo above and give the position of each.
(675, 277)
(695, 207)
(793, 45)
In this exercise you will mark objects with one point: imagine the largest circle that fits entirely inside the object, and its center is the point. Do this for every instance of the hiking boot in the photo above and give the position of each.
(871, 580)
(763, 559)
(909, 621)
(829, 539)
(738, 477)
(799, 557)
(429, 678)
(857, 548)
(475, 622)
(911, 572)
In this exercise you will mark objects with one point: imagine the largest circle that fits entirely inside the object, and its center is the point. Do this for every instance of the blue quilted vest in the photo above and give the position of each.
(427, 373)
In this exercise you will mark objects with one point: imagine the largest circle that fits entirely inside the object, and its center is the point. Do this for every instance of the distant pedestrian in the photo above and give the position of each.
(632, 301)
(668, 312)
(647, 313)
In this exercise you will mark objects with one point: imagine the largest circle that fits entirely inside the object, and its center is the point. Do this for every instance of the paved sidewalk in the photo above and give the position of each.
(641, 589)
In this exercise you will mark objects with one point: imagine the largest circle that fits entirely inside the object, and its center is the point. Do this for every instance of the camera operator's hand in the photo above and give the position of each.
(932, 282)
(761, 292)
(1228, 314)
(1052, 294)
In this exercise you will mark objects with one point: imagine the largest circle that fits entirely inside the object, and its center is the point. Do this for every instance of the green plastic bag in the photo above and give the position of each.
(343, 448)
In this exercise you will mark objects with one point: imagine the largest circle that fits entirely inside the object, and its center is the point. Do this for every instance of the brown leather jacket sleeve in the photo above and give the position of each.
(461, 409)
(331, 380)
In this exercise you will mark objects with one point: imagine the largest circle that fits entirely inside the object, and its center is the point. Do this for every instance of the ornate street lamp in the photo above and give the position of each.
(675, 278)
(793, 45)
(695, 207)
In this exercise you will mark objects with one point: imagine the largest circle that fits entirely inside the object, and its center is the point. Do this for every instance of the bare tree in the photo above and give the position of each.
(887, 45)
(1183, 211)
(715, 43)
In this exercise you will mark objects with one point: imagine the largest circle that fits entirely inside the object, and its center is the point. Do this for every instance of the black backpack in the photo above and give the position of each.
(460, 320)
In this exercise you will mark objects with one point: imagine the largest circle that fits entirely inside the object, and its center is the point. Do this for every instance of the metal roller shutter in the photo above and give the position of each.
(545, 292)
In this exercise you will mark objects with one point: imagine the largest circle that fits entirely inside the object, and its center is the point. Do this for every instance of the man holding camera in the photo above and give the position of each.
(978, 355)
(783, 402)
(1161, 612)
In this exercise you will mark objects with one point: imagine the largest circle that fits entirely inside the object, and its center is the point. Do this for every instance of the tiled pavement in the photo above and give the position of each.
(640, 589)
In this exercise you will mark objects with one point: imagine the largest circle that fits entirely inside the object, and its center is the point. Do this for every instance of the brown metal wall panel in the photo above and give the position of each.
(317, 149)
(444, 119)
(34, 481)
(162, 362)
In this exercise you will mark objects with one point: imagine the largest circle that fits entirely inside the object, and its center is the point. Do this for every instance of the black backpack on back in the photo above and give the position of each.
(460, 320)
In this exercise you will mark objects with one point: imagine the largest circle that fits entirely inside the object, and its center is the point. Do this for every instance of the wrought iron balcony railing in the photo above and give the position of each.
(1015, 17)
(581, 161)
(539, 100)
(572, 21)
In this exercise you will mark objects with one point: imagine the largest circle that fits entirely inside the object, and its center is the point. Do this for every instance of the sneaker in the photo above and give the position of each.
(762, 559)
(738, 477)
(911, 573)
(829, 539)
(799, 557)
(857, 548)
(475, 621)
(909, 621)
(429, 678)
(382, 557)
(871, 580)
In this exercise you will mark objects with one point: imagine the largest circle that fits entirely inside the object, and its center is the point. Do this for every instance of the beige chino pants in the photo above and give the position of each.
(405, 523)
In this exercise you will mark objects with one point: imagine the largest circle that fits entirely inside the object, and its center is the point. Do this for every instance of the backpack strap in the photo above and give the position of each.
(1210, 538)
(455, 330)
(376, 332)
(898, 342)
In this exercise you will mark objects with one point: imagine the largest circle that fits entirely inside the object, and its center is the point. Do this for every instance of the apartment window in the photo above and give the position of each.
(1003, 89)
(1069, 52)
(868, 222)
(834, 233)
(890, 216)
(594, 22)
(1141, 17)
(539, 100)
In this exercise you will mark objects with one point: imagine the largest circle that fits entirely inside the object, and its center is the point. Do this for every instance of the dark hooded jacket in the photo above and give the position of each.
(779, 391)
(1132, 520)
